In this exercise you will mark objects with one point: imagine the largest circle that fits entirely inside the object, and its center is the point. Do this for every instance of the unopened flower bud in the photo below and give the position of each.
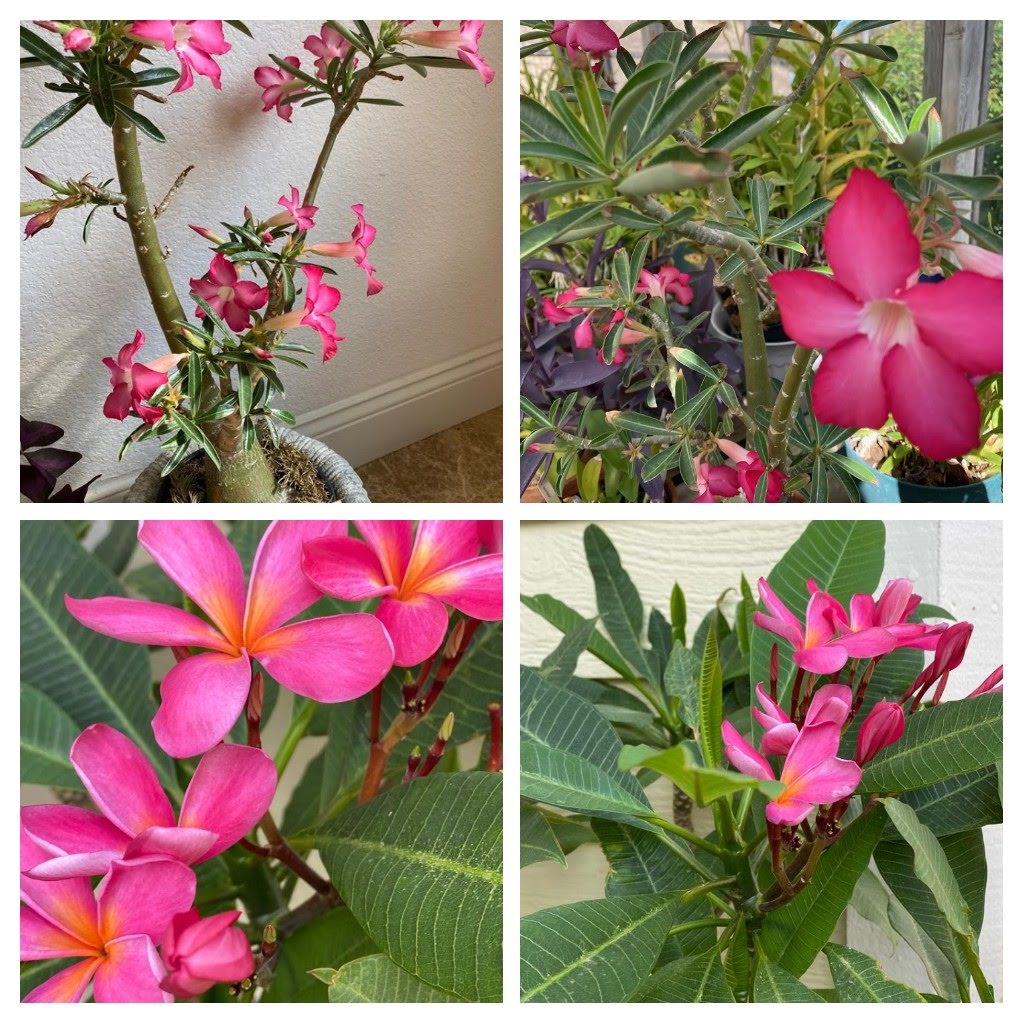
(992, 684)
(883, 727)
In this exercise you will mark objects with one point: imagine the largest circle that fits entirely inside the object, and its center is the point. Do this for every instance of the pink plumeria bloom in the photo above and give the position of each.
(978, 260)
(330, 659)
(134, 383)
(418, 574)
(750, 469)
(300, 216)
(816, 648)
(113, 930)
(668, 281)
(490, 531)
(78, 40)
(465, 42)
(280, 89)
(890, 612)
(199, 951)
(196, 43)
(811, 773)
(232, 299)
(892, 344)
(363, 235)
(780, 730)
(715, 481)
(991, 684)
(327, 46)
(229, 793)
(585, 41)
(883, 726)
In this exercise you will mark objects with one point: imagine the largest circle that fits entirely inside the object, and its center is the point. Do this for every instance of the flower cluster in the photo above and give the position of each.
(714, 481)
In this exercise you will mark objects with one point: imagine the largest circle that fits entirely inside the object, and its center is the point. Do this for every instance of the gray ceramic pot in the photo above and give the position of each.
(780, 353)
(341, 479)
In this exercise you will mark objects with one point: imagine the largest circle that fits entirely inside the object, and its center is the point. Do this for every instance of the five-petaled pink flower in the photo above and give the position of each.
(327, 46)
(892, 344)
(465, 41)
(200, 951)
(195, 42)
(300, 216)
(321, 301)
(417, 575)
(750, 469)
(668, 281)
(812, 773)
(113, 930)
(363, 235)
(890, 612)
(134, 383)
(830, 704)
(330, 659)
(229, 793)
(715, 481)
(230, 298)
(585, 41)
(280, 88)
(881, 728)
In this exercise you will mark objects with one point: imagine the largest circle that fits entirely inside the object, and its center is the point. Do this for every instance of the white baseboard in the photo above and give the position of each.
(390, 416)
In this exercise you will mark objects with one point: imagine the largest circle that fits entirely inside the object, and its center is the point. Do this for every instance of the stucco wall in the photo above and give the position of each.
(429, 175)
(955, 564)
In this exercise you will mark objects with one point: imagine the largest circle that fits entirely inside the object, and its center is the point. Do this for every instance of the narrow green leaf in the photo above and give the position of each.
(711, 702)
(140, 121)
(54, 120)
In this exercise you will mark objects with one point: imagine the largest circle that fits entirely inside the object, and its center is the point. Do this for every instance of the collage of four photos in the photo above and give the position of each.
(751, 755)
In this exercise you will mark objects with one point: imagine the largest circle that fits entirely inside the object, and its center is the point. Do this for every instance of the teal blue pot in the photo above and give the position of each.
(892, 491)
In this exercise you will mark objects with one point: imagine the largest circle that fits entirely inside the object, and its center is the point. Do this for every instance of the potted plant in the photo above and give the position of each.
(211, 402)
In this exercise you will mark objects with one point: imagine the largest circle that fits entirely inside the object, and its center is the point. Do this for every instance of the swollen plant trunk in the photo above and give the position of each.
(243, 475)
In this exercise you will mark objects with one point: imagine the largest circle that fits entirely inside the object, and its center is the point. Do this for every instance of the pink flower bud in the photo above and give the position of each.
(199, 952)
(78, 40)
(883, 727)
(992, 684)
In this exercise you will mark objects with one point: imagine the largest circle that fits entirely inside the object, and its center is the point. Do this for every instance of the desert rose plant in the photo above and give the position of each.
(818, 766)
(675, 202)
(217, 388)
(158, 871)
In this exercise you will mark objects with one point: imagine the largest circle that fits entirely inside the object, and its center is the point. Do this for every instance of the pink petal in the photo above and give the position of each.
(120, 779)
(229, 793)
(145, 622)
(210, 36)
(787, 812)
(823, 660)
(332, 659)
(158, 31)
(961, 317)
(346, 568)
(474, 60)
(848, 388)
(118, 403)
(391, 541)
(869, 643)
(440, 543)
(130, 973)
(868, 240)
(814, 745)
(473, 587)
(66, 986)
(68, 904)
(828, 781)
(187, 845)
(202, 562)
(742, 756)
(831, 704)
(816, 311)
(141, 897)
(201, 699)
(819, 625)
(416, 625)
(933, 403)
(222, 271)
(64, 828)
(41, 940)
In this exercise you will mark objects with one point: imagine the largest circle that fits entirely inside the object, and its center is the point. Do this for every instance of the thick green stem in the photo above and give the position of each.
(985, 992)
(785, 404)
(243, 475)
(770, 46)
(755, 352)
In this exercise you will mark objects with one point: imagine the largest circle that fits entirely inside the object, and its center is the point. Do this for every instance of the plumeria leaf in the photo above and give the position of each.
(774, 985)
(47, 733)
(378, 979)
(537, 841)
(694, 979)
(859, 979)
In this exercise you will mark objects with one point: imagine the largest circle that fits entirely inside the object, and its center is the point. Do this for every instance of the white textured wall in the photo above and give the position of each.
(428, 174)
(956, 564)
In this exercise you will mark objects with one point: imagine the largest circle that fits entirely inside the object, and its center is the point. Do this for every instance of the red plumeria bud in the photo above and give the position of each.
(412, 764)
(883, 727)
(992, 684)
(952, 646)
(773, 672)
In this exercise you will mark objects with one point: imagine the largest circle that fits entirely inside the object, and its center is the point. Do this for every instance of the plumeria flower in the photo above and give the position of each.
(196, 43)
(280, 89)
(134, 383)
(363, 235)
(830, 705)
(327, 46)
(330, 659)
(232, 299)
(812, 774)
(750, 469)
(883, 726)
(229, 793)
(586, 42)
(418, 574)
(894, 606)
(300, 216)
(668, 281)
(715, 481)
(816, 648)
(465, 42)
(199, 951)
(112, 930)
(891, 343)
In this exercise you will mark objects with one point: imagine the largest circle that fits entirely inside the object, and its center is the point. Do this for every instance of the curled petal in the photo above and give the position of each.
(346, 568)
(742, 756)
(144, 622)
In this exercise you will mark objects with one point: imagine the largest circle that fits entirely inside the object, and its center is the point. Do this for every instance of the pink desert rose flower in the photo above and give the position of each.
(78, 40)
(199, 951)
(232, 299)
(229, 793)
(892, 344)
(667, 282)
(631, 335)
(321, 301)
(417, 574)
(330, 659)
(134, 383)
(112, 930)
(300, 216)
(196, 43)
(991, 684)
(363, 235)
(811, 773)
(883, 726)
(978, 260)
(750, 469)
(715, 481)
(327, 46)
(585, 41)
(280, 89)
(465, 42)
